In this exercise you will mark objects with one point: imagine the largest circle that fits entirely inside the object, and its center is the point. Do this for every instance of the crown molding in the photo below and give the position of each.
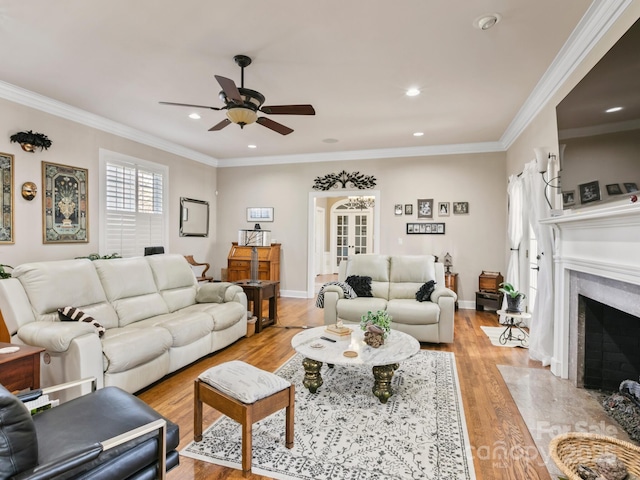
(40, 102)
(594, 24)
(427, 151)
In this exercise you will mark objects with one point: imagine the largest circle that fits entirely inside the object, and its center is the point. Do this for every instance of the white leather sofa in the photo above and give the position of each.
(395, 282)
(148, 305)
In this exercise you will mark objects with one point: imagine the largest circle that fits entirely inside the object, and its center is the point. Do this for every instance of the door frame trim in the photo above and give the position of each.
(311, 227)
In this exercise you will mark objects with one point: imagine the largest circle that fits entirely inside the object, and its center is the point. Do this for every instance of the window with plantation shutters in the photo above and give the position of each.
(134, 213)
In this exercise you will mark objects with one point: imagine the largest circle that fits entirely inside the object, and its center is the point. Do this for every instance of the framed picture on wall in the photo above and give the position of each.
(443, 209)
(408, 209)
(260, 214)
(65, 204)
(589, 192)
(398, 209)
(425, 208)
(460, 208)
(425, 228)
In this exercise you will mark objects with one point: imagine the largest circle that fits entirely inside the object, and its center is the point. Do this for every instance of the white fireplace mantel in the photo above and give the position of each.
(604, 242)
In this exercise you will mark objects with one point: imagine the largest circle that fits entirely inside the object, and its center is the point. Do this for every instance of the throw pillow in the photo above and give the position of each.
(73, 314)
(425, 291)
(360, 284)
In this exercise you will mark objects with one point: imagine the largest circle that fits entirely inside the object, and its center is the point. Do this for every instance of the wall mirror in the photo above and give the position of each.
(6, 199)
(194, 218)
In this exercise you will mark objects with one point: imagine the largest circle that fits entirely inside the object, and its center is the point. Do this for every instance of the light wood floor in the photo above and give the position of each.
(502, 446)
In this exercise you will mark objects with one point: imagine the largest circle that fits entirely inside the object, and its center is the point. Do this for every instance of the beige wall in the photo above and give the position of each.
(77, 145)
(476, 241)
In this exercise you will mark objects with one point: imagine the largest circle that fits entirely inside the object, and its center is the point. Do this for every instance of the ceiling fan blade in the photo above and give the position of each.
(229, 88)
(189, 105)
(275, 126)
(288, 110)
(221, 125)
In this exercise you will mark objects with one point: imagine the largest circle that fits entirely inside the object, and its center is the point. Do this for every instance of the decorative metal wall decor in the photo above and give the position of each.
(355, 179)
(65, 204)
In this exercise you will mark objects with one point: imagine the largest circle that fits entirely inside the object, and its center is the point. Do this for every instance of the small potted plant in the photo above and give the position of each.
(376, 326)
(514, 297)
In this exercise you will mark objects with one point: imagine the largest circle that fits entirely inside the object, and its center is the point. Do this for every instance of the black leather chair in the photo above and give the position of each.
(105, 434)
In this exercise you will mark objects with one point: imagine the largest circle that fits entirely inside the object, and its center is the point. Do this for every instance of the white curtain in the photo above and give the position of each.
(535, 208)
(515, 190)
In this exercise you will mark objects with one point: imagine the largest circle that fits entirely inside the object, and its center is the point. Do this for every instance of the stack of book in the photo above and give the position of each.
(338, 333)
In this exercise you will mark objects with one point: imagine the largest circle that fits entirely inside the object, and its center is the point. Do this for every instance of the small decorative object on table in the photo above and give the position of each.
(376, 327)
(338, 331)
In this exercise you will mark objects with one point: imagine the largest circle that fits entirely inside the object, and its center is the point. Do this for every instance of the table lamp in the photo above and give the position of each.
(448, 262)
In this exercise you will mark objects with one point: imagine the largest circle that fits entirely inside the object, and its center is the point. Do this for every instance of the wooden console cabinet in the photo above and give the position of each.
(239, 262)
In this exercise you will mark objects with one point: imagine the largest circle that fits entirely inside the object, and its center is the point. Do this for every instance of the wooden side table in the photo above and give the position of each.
(257, 292)
(451, 282)
(20, 370)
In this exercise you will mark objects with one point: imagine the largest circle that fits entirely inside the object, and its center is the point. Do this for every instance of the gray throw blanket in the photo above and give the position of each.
(346, 288)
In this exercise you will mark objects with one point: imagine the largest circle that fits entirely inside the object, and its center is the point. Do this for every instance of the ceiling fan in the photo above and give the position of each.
(242, 104)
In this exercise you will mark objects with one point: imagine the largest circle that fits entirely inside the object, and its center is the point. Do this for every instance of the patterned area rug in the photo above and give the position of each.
(494, 335)
(344, 432)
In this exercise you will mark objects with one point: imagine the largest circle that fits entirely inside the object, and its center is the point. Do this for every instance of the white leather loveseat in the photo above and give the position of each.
(395, 280)
(149, 307)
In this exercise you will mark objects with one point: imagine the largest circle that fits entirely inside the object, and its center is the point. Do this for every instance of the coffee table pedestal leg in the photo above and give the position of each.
(312, 379)
(382, 384)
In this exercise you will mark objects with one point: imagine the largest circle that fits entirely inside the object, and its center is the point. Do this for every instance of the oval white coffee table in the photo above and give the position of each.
(384, 360)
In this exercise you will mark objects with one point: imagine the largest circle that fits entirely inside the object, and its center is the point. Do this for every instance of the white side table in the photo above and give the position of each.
(514, 320)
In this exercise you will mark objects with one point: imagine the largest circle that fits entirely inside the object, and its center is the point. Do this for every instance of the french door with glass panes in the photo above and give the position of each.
(351, 233)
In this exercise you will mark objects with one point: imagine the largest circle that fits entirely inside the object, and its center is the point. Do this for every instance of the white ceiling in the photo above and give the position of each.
(352, 60)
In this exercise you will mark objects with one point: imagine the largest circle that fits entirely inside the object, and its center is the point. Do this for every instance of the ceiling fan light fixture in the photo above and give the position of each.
(242, 115)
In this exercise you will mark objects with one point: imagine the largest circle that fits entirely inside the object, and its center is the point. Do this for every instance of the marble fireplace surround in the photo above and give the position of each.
(597, 254)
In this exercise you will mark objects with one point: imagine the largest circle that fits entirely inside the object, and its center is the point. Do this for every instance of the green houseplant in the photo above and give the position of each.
(376, 326)
(514, 297)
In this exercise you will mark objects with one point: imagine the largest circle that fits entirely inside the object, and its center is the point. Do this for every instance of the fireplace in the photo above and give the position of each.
(597, 259)
(611, 345)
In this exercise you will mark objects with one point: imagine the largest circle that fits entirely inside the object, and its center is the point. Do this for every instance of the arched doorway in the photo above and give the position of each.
(314, 198)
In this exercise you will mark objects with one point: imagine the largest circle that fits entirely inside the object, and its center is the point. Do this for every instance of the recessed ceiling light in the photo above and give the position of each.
(195, 116)
(252, 146)
(418, 134)
(613, 109)
(330, 140)
(486, 21)
(412, 92)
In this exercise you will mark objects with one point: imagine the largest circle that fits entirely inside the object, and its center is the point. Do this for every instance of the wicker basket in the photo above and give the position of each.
(572, 449)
